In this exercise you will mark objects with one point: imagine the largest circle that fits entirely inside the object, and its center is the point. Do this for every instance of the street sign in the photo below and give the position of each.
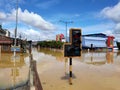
(15, 48)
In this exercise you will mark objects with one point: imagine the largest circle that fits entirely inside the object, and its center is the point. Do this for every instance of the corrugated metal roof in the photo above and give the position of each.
(96, 35)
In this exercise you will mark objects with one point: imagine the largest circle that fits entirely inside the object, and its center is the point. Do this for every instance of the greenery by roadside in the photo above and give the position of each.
(51, 44)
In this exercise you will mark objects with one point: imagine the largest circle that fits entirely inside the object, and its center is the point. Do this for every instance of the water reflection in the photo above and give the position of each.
(118, 53)
(99, 58)
(12, 70)
(109, 57)
(66, 64)
(92, 57)
(56, 53)
(85, 69)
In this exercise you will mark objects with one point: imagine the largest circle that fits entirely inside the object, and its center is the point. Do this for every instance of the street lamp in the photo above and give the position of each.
(66, 24)
(16, 27)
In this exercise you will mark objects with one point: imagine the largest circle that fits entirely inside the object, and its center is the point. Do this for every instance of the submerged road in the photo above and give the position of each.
(92, 71)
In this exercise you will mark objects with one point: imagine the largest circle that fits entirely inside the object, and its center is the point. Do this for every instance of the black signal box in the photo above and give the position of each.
(73, 49)
(75, 36)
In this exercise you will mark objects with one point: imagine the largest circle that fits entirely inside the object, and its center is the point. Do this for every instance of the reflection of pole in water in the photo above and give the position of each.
(38, 47)
(14, 74)
(0, 52)
(92, 56)
(118, 53)
(66, 60)
(109, 57)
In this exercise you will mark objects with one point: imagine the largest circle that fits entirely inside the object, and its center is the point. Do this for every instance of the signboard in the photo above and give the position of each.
(15, 48)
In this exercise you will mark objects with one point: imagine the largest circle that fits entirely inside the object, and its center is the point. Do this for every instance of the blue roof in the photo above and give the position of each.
(96, 35)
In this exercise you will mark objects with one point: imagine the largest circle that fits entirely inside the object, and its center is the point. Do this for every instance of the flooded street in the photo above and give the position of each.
(14, 72)
(92, 71)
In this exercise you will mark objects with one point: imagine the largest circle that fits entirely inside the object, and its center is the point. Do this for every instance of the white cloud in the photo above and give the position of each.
(98, 28)
(117, 26)
(112, 12)
(108, 32)
(2, 15)
(31, 25)
(29, 18)
(35, 20)
(31, 34)
(47, 4)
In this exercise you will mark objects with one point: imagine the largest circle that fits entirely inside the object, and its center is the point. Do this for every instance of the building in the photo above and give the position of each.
(5, 41)
(98, 40)
(2, 31)
(5, 44)
(60, 37)
(7, 33)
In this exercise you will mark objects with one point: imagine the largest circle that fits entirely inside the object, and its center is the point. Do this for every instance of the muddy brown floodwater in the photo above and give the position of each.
(92, 71)
(14, 72)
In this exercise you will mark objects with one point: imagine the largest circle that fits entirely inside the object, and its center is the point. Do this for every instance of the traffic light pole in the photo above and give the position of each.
(73, 49)
(70, 71)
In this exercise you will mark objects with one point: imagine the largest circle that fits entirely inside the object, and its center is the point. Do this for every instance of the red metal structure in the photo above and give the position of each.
(110, 42)
(59, 37)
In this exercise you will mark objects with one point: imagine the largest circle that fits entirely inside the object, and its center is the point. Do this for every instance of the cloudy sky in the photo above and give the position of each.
(40, 19)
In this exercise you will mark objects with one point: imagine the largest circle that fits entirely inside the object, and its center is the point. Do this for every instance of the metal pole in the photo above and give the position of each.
(16, 27)
(70, 71)
(66, 24)
(66, 31)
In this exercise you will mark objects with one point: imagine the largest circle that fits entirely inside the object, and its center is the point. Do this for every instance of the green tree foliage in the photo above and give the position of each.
(50, 44)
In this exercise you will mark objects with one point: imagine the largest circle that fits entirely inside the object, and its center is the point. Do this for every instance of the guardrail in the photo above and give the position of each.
(35, 80)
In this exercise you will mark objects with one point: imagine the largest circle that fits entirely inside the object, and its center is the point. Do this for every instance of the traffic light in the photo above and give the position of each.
(75, 39)
(73, 49)
(68, 50)
(75, 36)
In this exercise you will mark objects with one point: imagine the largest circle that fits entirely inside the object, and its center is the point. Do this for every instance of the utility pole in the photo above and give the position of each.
(66, 24)
(16, 27)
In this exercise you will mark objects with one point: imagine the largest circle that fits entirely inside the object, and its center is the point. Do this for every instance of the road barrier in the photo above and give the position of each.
(35, 80)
